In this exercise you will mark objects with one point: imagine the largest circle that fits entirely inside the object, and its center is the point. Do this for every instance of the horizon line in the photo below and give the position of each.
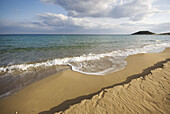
(60, 34)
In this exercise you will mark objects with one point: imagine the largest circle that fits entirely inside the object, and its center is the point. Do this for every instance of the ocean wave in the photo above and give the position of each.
(5, 94)
(92, 63)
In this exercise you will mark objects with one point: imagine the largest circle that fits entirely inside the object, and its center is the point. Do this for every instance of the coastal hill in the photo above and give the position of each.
(165, 33)
(143, 33)
(148, 33)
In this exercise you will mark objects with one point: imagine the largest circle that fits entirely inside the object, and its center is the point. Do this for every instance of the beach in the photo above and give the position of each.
(148, 94)
(84, 57)
(28, 58)
(58, 92)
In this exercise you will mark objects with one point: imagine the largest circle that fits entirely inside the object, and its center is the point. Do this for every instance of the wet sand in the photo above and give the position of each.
(58, 92)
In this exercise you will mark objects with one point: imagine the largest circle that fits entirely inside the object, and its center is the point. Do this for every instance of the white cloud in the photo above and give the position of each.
(162, 27)
(97, 16)
(132, 9)
(62, 21)
(22, 27)
(59, 23)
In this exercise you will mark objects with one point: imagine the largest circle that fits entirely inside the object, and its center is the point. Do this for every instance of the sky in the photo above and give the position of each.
(83, 16)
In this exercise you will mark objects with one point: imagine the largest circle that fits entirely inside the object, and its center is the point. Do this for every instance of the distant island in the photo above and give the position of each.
(148, 33)
(165, 33)
(143, 33)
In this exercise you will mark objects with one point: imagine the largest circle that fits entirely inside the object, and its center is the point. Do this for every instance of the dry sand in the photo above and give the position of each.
(150, 94)
(58, 92)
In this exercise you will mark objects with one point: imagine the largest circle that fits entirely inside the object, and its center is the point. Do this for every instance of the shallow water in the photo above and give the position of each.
(23, 57)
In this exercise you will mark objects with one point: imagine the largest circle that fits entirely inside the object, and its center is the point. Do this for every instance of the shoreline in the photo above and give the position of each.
(53, 93)
(149, 93)
(27, 79)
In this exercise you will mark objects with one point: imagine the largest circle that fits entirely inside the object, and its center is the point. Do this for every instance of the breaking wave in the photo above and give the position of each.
(93, 64)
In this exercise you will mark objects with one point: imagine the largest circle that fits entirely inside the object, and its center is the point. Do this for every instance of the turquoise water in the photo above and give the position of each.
(23, 55)
(18, 49)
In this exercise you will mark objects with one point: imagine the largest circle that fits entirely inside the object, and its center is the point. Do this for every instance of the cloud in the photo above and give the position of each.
(7, 27)
(59, 23)
(133, 9)
(157, 28)
(59, 20)
(162, 27)
(47, 22)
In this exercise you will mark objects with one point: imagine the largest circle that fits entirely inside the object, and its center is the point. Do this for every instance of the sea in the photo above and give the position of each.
(27, 58)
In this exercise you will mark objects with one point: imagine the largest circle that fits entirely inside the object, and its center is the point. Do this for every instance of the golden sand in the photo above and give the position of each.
(58, 92)
(150, 94)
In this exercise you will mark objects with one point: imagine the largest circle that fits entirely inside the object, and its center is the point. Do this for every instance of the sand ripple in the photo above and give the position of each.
(143, 95)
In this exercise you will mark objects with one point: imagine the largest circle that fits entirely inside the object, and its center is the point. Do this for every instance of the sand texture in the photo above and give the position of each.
(58, 92)
(144, 95)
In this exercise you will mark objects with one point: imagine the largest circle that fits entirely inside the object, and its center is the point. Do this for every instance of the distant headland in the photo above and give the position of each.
(148, 33)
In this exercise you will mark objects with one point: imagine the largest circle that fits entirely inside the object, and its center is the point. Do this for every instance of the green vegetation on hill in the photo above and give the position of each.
(143, 33)
(165, 33)
(149, 33)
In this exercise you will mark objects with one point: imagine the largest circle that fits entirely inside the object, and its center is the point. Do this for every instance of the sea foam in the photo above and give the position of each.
(115, 57)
